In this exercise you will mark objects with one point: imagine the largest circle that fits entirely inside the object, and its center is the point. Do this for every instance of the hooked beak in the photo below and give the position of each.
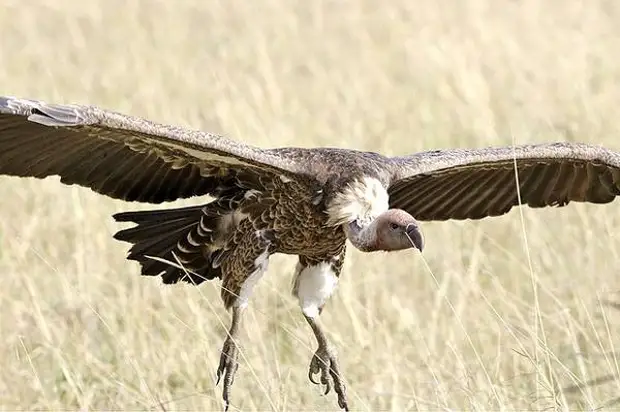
(415, 236)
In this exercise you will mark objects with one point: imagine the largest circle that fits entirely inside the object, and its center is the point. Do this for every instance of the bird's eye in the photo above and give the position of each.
(394, 226)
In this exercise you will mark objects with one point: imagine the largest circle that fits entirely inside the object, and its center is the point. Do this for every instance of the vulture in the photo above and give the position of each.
(298, 201)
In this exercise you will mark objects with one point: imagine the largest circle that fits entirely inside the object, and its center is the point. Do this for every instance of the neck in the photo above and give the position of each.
(362, 237)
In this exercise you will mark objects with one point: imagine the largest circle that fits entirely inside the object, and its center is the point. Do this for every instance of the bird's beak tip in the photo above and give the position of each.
(415, 237)
(420, 246)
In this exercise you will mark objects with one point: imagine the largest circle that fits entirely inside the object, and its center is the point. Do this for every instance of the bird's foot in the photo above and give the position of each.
(325, 363)
(228, 367)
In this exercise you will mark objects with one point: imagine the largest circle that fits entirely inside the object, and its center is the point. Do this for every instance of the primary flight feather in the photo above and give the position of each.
(305, 202)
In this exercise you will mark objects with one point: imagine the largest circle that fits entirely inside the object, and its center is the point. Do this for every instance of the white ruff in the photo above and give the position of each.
(313, 286)
(261, 263)
(363, 200)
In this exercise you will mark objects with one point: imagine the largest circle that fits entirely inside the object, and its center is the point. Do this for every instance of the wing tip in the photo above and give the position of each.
(4, 101)
(17, 106)
(40, 112)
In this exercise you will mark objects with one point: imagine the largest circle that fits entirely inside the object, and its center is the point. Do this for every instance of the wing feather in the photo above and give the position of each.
(473, 184)
(439, 191)
(499, 194)
(462, 195)
(126, 157)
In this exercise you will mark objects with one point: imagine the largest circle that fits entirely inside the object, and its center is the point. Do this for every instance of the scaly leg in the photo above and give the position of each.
(325, 362)
(228, 360)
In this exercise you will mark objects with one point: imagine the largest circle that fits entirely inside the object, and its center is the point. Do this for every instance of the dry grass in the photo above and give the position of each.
(506, 313)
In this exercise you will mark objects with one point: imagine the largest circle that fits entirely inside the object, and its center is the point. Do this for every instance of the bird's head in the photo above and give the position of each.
(392, 230)
(397, 230)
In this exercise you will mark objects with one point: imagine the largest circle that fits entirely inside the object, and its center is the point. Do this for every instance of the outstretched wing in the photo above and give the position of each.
(472, 184)
(125, 157)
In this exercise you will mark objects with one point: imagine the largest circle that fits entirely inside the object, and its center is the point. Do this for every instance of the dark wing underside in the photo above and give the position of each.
(473, 184)
(125, 157)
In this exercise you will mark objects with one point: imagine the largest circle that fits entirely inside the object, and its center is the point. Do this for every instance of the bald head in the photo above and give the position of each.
(397, 230)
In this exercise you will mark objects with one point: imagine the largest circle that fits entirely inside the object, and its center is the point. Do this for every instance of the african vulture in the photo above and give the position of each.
(304, 202)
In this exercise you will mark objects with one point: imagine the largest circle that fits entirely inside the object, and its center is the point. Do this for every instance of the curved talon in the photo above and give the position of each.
(325, 380)
(324, 362)
(314, 369)
(340, 389)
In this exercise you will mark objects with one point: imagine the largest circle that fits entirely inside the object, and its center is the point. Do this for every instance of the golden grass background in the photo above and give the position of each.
(506, 313)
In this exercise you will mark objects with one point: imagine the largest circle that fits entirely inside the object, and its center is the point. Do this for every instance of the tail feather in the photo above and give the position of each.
(156, 246)
(153, 230)
(154, 216)
(182, 235)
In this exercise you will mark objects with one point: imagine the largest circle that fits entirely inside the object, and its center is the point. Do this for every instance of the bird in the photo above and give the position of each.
(307, 202)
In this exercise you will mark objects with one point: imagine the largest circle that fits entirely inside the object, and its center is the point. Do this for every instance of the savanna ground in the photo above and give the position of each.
(507, 313)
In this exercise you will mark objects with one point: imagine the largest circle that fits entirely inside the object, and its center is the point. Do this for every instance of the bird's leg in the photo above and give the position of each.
(228, 360)
(325, 362)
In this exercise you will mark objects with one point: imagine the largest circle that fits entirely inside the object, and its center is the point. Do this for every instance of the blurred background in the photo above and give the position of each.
(505, 313)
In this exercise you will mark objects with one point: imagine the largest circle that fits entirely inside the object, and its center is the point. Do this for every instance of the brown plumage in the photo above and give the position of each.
(305, 202)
